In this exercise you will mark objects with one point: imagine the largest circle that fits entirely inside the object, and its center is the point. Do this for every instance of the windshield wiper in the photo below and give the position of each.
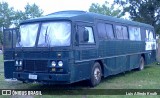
(47, 37)
(19, 39)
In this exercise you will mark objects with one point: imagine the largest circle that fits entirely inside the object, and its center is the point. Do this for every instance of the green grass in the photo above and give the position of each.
(146, 79)
(149, 78)
(1, 64)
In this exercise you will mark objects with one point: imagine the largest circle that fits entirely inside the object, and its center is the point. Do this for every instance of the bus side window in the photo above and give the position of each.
(80, 33)
(109, 31)
(121, 32)
(134, 33)
(125, 32)
(105, 31)
(91, 35)
(8, 38)
(101, 30)
(143, 34)
(151, 37)
(81, 30)
(147, 32)
(15, 38)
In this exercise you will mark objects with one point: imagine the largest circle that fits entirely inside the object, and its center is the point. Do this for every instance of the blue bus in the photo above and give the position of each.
(71, 46)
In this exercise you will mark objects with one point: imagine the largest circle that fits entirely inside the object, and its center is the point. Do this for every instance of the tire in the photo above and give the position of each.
(96, 75)
(141, 63)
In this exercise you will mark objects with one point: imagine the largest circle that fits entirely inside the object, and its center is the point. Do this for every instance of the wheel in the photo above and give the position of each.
(96, 75)
(141, 64)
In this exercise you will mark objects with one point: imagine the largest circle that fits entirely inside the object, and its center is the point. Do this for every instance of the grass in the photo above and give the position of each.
(146, 79)
(1, 64)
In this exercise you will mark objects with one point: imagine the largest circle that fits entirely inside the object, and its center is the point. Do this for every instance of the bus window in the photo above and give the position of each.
(150, 40)
(91, 38)
(121, 32)
(105, 31)
(143, 34)
(101, 30)
(147, 32)
(150, 35)
(8, 39)
(15, 37)
(134, 33)
(125, 33)
(55, 34)
(28, 34)
(109, 31)
(81, 29)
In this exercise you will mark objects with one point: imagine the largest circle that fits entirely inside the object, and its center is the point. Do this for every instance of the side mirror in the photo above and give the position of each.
(85, 35)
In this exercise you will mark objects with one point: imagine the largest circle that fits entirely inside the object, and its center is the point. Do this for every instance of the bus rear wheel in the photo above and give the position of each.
(96, 75)
(141, 64)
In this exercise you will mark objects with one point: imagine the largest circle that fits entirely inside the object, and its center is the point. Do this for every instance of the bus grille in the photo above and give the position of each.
(35, 65)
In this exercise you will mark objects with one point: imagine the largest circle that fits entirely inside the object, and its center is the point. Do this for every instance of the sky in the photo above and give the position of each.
(50, 6)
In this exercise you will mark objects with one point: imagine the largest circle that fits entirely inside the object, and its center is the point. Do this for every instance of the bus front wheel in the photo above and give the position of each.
(141, 65)
(96, 75)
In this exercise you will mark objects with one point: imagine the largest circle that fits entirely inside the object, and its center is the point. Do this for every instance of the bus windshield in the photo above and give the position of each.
(51, 34)
(28, 35)
(55, 34)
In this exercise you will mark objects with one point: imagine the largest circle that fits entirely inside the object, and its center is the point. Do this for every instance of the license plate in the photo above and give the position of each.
(32, 76)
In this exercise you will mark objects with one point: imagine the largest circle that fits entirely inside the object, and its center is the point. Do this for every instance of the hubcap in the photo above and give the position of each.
(97, 74)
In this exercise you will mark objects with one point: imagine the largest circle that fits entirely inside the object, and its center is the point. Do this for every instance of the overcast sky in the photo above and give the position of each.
(50, 6)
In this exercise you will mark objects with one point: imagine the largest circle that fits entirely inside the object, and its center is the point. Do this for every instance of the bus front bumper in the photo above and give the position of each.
(42, 77)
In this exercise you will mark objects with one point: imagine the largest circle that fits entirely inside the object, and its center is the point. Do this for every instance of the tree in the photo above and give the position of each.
(19, 16)
(146, 11)
(105, 9)
(6, 15)
(31, 11)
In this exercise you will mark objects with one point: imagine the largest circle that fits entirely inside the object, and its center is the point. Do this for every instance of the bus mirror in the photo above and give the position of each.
(85, 35)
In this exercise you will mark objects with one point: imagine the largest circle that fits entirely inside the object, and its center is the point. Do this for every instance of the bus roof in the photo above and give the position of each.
(83, 16)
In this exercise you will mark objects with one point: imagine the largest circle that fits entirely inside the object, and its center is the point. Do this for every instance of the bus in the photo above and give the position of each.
(70, 46)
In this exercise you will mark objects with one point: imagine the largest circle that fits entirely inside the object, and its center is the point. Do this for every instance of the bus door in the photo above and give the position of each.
(85, 49)
(10, 37)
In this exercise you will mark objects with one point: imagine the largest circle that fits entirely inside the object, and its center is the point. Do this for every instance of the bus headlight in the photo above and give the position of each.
(20, 63)
(60, 63)
(53, 64)
(16, 63)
